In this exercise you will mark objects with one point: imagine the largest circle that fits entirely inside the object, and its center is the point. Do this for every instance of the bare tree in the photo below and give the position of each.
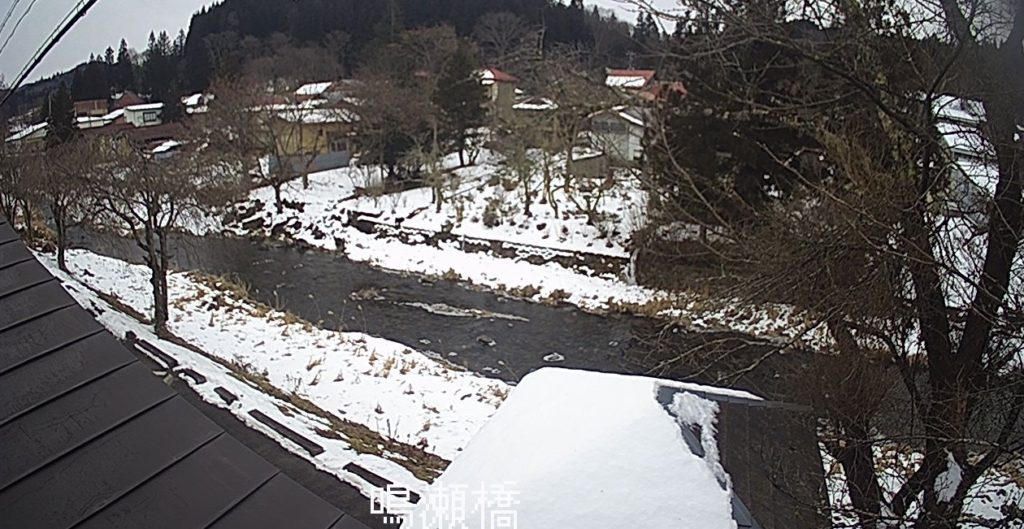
(149, 199)
(504, 38)
(811, 141)
(61, 179)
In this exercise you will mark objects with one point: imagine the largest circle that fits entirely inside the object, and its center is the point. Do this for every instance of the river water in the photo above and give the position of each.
(485, 332)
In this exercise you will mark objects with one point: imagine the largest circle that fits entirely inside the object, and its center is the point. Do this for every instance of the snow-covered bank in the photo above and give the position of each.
(319, 216)
(357, 384)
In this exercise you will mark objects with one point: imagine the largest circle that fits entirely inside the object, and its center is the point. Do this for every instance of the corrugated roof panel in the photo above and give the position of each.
(88, 436)
(41, 336)
(97, 474)
(7, 234)
(37, 382)
(228, 472)
(26, 305)
(19, 276)
(46, 435)
(262, 508)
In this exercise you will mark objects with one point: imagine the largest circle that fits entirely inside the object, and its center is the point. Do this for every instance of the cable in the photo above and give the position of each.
(16, 25)
(7, 17)
(45, 49)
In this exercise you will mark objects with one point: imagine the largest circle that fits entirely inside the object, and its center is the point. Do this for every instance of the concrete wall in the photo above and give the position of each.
(321, 162)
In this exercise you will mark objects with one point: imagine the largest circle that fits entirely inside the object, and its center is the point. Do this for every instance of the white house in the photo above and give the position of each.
(145, 115)
(619, 132)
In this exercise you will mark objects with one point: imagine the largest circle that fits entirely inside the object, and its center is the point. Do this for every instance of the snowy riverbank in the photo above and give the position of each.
(368, 401)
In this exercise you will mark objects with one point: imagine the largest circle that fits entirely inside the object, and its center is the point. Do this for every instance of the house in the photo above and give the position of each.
(619, 132)
(973, 169)
(125, 99)
(582, 449)
(197, 103)
(319, 135)
(333, 92)
(642, 84)
(501, 90)
(310, 91)
(91, 108)
(92, 439)
(144, 115)
(29, 135)
(629, 80)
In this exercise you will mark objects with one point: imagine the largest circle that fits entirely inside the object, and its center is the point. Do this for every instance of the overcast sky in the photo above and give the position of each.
(111, 20)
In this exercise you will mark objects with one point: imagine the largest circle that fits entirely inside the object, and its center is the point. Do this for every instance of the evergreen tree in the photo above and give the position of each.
(124, 76)
(59, 109)
(460, 98)
(108, 56)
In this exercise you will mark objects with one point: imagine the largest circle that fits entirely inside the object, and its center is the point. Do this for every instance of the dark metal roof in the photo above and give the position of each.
(770, 453)
(90, 438)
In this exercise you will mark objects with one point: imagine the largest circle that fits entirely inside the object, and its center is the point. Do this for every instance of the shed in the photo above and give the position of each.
(581, 449)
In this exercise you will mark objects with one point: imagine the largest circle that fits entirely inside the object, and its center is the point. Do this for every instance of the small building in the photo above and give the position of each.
(619, 133)
(198, 103)
(91, 108)
(501, 90)
(581, 449)
(145, 115)
(30, 135)
(589, 163)
(320, 137)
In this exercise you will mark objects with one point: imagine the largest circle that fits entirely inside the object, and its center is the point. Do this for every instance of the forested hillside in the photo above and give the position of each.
(236, 32)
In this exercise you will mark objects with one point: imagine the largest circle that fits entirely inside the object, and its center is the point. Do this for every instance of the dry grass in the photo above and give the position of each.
(651, 308)
(451, 275)
(114, 301)
(424, 465)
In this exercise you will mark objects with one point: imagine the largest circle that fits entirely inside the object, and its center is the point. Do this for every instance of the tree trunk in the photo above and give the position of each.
(278, 202)
(60, 226)
(26, 212)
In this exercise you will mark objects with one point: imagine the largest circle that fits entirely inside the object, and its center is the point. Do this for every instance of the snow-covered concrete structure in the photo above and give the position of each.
(593, 450)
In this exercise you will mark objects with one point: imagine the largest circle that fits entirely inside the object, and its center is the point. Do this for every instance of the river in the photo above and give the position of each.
(482, 331)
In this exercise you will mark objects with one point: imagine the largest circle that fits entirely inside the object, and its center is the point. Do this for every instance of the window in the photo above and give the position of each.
(150, 117)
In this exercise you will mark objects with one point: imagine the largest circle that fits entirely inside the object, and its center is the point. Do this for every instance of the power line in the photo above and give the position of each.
(16, 25)
(56, 37)
(7, 17)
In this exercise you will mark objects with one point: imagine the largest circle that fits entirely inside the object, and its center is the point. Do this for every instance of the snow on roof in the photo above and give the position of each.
(536, 104)
(313, 89)
(312, 115)
(629, 79)
(114, 115)
(632, 115)
(489, 76)
(166, 146)
(952, 108)
(196, 99)
(580, 154)
(147, 106)
(27, 131)
(580, 449)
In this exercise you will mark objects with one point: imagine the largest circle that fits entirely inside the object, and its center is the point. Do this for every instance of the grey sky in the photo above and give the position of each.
(110, 20)
(107, 22)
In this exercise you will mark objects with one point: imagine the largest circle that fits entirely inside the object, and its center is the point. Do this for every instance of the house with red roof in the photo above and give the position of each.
(501, 90)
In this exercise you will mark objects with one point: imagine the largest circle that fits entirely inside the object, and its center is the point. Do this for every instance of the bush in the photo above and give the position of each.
(492, 213)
